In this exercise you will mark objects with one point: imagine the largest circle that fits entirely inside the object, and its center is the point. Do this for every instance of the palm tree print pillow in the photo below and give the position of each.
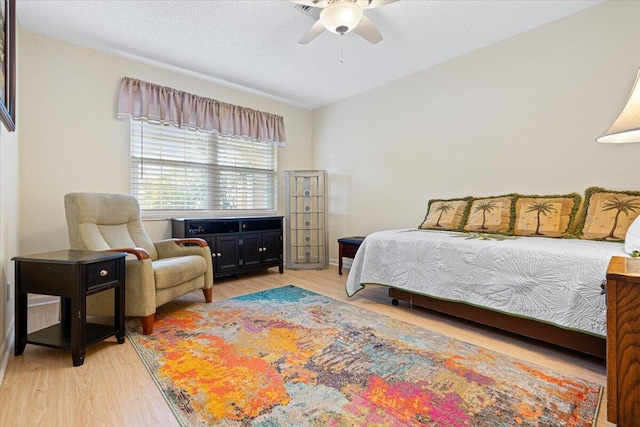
(545, 216)
(609, 214)
(491, 215)
(447, 215)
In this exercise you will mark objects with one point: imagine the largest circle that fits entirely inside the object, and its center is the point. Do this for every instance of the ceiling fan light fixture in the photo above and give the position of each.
(341, 16)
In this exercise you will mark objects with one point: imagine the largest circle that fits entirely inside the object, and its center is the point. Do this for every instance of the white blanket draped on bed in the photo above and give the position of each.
(553, 280)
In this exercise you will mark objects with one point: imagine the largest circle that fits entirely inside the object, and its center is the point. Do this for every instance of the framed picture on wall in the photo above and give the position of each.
(8, 64)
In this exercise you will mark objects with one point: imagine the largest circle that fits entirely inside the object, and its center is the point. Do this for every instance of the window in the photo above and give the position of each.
(178, 169)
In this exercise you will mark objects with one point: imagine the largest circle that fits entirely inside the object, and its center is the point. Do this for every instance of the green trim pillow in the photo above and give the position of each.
(491, 215)
(446, 214)
(608, 214)
(545, 216)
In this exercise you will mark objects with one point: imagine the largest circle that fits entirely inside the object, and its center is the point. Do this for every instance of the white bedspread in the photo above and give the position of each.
(552, 280)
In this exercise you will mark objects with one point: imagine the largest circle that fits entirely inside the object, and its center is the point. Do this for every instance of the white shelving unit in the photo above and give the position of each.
(306, 219)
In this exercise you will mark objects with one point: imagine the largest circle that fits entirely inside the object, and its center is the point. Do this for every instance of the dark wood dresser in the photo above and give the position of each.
(238, 245)
(623, 341)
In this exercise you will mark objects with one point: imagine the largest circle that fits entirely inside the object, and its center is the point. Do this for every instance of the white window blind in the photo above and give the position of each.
(178, 169)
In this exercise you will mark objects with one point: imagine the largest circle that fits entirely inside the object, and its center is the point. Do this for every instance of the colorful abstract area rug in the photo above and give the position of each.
(290, 357)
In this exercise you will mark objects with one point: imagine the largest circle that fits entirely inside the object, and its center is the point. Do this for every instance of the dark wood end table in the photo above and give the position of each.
(72, 275)
(347, 247)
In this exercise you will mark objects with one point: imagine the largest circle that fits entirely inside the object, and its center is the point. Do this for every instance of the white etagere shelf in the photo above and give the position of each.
(306, 217)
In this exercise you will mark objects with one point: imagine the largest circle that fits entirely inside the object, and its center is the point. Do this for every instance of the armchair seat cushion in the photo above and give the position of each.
(170, 272)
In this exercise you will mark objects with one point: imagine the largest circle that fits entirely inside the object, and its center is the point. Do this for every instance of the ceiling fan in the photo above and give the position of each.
(342, 16)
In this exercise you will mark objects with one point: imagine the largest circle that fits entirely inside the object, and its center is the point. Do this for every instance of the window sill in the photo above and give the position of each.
(168, 215)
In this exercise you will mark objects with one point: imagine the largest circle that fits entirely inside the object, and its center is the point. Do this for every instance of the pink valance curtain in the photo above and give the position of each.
(147, 101)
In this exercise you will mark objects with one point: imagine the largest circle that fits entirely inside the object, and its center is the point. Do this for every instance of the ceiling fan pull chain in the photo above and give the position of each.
(342, 48)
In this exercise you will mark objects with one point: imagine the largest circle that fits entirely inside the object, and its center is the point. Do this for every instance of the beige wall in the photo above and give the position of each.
(518, 116)
(72, 141)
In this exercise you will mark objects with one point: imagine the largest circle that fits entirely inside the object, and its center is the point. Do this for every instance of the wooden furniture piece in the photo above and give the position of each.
(623, 341)
(71, 275)
(347, 247)
(306, 208)
(541, 331)
(238, 245)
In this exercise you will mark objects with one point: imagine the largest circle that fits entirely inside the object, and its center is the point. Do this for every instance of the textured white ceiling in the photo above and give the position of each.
(253, 44)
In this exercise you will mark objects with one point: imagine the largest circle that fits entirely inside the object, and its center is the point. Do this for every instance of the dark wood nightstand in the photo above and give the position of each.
(71, 275)
(347, 247)
(623, 341)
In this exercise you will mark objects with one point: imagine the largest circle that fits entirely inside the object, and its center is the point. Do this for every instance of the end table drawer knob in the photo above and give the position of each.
(103, 273)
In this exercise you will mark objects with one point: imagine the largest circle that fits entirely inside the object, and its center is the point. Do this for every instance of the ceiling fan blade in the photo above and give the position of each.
(312, 3)
(368, 31)
(315, 30)
(372, 4)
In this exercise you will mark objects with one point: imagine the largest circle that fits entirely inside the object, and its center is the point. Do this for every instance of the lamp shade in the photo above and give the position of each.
(341, 16)
(626, 128)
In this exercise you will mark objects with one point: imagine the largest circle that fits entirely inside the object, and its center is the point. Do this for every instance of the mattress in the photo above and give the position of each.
(550, 280)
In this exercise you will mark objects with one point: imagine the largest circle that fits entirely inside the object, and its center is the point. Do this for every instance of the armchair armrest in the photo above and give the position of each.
(192, 241)
(138, 252)
(180, 247)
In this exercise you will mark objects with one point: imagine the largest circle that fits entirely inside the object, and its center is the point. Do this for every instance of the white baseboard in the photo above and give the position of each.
(5, 350)
(345, 264)
(37, 300)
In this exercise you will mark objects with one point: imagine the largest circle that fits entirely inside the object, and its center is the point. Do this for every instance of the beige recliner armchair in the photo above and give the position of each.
(156, 272)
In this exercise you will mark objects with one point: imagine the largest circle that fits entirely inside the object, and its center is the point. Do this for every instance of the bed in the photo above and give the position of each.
(544, 288)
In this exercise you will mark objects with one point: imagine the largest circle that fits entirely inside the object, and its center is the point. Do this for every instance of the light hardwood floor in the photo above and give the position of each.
(112, 387)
